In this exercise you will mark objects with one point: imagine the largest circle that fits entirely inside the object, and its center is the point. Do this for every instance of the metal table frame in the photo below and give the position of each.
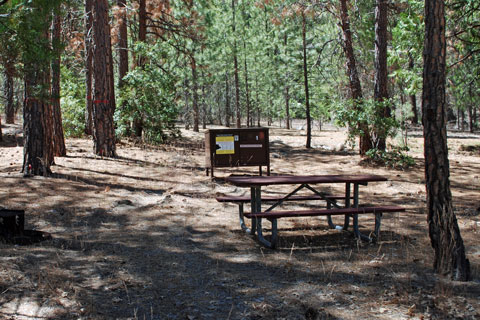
(256, 203)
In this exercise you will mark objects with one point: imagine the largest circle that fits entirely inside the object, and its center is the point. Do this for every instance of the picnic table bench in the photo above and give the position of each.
(333, 207)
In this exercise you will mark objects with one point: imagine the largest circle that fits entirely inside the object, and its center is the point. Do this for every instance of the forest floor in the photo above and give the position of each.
(142, 237)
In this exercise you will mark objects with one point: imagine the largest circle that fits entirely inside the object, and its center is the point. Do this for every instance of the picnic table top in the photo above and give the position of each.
(257, 181)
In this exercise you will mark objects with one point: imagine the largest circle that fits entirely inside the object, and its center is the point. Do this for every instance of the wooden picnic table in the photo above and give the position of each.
(255, 183)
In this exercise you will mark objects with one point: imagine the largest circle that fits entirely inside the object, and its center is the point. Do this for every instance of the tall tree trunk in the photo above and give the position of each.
(413, 97)
(36, 147)
(59, 148)
(103, 105)
(8, 91)
(193, 65)
(122, 43)
(88, 39)
(305, 77)
(475, 117)
(381, 71)
(49, 152)
(257, 99)
(227, 101)
(235, 70)
(354, 80)
(142, 37)
(470, 118)
(443, 228)
(37, 115)
(247, 91)
(204, 103)
(287, 88)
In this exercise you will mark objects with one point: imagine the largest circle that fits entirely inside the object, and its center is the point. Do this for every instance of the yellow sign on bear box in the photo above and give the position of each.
(225, 145)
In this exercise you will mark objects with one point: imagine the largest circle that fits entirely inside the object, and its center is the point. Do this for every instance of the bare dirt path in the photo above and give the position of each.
(142, 237)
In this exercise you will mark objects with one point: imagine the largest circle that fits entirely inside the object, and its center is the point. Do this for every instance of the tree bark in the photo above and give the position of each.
(413, 97)
(470, 118)
(247, 92)
(235, 71)
(142, 37)
(103, 105)
(88, 39)
(354, 80)
(37, 116)
(204, 102)
(443, 228)
(59, 148)
(381, 71)
(227, 101)
(8, 88)
(287, 88)
(122, 43)
(305, 78)
(196, 118)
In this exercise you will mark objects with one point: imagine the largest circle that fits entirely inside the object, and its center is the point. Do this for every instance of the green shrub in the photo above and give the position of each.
(395, 158)
(148, 93)
(72, 103)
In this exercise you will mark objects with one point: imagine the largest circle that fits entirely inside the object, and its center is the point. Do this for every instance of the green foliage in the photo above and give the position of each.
(148, 93)
(371, 114)
(73, 103)
(395, 158)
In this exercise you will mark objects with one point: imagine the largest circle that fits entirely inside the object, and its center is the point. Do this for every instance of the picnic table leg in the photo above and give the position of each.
(242, 220)
(356, 230)
(273, 241)
(347, 205)
(378, 222)
(255, 205)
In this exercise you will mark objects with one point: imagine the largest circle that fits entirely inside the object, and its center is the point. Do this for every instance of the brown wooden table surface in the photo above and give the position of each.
(258, 181)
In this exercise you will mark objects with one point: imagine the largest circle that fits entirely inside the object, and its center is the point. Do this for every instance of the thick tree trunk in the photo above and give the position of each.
(103, 105)
(354, 80)
(59, 148)
(381, 71)
(37, 111)
(88, 39)
(35, 150)
(305, 78)
(37, 118)
(8, 91)
(444, 233)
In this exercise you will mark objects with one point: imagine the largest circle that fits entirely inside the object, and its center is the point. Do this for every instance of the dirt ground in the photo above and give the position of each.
(142, 237)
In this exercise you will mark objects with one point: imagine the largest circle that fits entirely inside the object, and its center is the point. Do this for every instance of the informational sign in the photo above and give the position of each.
(225, 145)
